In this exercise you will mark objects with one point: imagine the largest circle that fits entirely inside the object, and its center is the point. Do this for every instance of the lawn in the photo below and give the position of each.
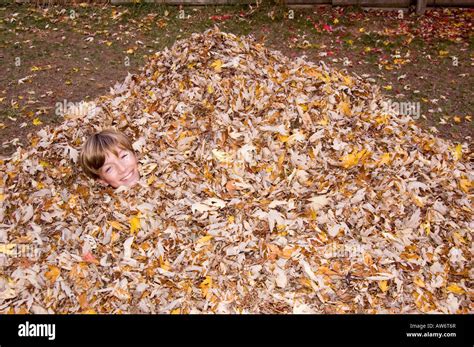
(69, 54)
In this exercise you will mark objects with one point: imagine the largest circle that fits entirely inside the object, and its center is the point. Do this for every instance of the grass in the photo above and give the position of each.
(279, 33)
(7, 114)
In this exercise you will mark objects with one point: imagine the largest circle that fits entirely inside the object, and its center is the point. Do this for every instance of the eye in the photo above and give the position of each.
(108, 169)
(123, 156)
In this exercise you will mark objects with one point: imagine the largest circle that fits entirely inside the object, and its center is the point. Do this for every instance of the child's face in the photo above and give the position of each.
(121, 170)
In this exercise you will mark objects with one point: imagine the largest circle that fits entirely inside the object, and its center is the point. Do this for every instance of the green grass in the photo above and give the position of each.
(418, 43)
(9, 112)
(373, 40)
(471, 42)
(444, 45)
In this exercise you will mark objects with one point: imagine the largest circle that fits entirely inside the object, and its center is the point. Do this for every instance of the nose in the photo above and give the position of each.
(122, 167)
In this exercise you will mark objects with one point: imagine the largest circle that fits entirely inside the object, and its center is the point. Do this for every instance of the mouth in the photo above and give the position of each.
(129, 175)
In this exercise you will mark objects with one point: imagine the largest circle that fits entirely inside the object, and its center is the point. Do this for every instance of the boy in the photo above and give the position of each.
(108, 156)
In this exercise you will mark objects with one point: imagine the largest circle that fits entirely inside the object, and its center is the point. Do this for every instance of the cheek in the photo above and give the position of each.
(107, 177)
(132, 160)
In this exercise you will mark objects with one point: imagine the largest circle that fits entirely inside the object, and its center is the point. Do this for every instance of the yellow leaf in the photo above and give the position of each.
(304, 107)
(384, 159)
(282, 138)
(454, 288)
(457, 119)
(465, 185)
(156, 75)
(399, 61)
(383, 286)
(419, 282)
(204, 239)
(383, 119)
(53, 273)
(352, 159)
(210, 89)
(89, 311)
(115, 225)
(458, 152)
(324, 121)
(387, 87)
(361, 30)
(206, 285)
(230, 219)
(288, 251)
(176, 311)
(182, 135)
(345, 108)
(327, 79)
(151, 179)
(459, 237)
(417, 200)
(108, 43)
(347, 81)
(35, 68)
(281, 159)
(130, 51)
(335, 21)
(134, 224)
(313, 214)
(37, 121)
(426, 226)
(217, 65)
(2, 197)
(368, 259)
(115, 236)
(165, 265)
(44, 163)
(443, 53)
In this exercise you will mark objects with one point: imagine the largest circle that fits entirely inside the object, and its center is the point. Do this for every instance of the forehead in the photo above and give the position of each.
(110, 156)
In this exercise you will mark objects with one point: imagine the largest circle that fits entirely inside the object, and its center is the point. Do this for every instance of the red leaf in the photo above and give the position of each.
(89, 258)
(328, 28)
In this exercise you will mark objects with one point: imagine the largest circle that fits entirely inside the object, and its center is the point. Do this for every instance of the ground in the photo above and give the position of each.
(55, 55)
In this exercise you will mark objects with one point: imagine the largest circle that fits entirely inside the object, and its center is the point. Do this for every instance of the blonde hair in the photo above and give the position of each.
(94, 152)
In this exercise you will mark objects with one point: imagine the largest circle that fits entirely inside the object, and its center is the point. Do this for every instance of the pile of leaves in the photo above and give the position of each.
(267, 186)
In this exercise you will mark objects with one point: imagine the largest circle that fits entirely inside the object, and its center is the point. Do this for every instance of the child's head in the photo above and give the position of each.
(109, 157)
